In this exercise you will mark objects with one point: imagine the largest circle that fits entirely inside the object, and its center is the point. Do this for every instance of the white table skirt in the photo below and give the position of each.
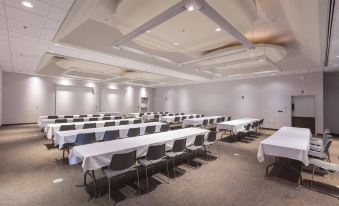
(98, 155)
(45, 122)
(169, 119)
(40, 118)
(236, 125)
(198, 121)
(51, 129)
(289, 142)
(64, 137)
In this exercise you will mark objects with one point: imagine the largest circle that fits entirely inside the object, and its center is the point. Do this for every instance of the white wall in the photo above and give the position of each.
(25, 97)
(0, 97)
(303, 106)
(331, 101)
(263, 98)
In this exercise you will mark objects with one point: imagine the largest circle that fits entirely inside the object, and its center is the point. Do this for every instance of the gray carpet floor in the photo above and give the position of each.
(28, 170)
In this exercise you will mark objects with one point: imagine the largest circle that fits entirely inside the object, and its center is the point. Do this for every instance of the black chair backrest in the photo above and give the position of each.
(182, 113)
(96, 115)
(52, 117)
(93, 119)
(176, 119)
(89, 125)
(106, 118)
(150, 129)
(247, 127)
(68, 116)
(67, 127)
(177, 114)
(211, 121)
(164, 128)
(183, 118)
(83, 115)
(179, 145)
(218, 120)
(156, 116)
(205, 122)
(78, 120)
(85, 138)
(123, 161)
(170, 115)
(202, 115)
(109, 124)
(198, 116)
(133, 132)
(117, 117)
(124, 122)
(199, 140)
(137, 121)
(328, 143)
(141, 114)
(155, 152)
(60, 121)
(212, 136)
(222, 119)
(190, 117)
(148, 113)
(105, 115)
(229, 118)
(111, 135)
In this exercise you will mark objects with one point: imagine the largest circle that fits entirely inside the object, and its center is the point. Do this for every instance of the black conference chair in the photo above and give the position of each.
(68, 116)
(111, 135)
(60, 121)
(106, 118)
(229, 118)
(141, 114)
(211, 139)
(81, 139)
(133, 132)
(67, 127)
(204, 123)
(93, 119)
(170, 115)
(89, 125)
(96, 115)
(52, 117)
(222, 119)
(197, 145)
(107, 115)
(176, 123)
(150, 129)
(190, 117)
(109, 124)
(177, 114)
(155, 155)
(121, 164)
(202, 115)
(78, 120)
(137, 121)
(124, 122)
(178, 149)
(83, 115)
(198, 116)
(117, 117)
(182, 113)
(164, 128)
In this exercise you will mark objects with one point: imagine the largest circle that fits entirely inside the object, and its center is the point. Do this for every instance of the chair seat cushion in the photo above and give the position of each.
(173, 154)
(110, 173)
(145, 162)
(325, 165)
(317, 154)
(193, 147)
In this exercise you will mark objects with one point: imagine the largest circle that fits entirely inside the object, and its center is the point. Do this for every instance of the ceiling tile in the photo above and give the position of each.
(40, 8)
(63, 4)
(52, 24)
(2, 10)
(57, 14)
(48, 34)
(18, 40)
(15, 25)
(24, 16)
(3, 24)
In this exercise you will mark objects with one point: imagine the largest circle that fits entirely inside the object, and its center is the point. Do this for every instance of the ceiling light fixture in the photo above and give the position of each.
(148, 31)
(191, 8)
(252, 54)
(27, 4)
(175, 43)
(217, 29)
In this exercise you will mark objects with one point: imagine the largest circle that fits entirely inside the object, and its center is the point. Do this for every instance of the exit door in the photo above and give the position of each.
(303, 112)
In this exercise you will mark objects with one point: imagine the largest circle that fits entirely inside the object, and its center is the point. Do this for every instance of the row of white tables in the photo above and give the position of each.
(236, 125)
(51, 129)
(65, 137)
(198, 121)
(169, 119)
(97, 155)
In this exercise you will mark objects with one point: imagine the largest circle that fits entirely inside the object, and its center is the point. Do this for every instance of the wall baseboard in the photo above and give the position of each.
(18, 124)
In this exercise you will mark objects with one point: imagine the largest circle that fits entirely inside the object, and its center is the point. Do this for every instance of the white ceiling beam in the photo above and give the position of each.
(168, 14)
(211, 13)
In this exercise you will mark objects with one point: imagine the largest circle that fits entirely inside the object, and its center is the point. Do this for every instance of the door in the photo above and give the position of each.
(303, 112)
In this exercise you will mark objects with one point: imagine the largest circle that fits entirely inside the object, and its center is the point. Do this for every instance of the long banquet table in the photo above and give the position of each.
(64, 137)
(98, 155)
(51, 129)
(198, 121)
(169, 119)
(45, 122)
(236, 125)
(288, 142)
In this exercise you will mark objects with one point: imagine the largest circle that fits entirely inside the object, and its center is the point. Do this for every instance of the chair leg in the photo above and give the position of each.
(147, 179)
(95, 184)
(312, 175)
(109, 191)
(175, 176)
(167, 172)
(138, 181)
(85, 177)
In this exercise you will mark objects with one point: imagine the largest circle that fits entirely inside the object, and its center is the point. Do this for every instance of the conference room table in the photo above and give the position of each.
(51, 129)
(288, 142)
(169, 119)
(111, 113)
(198, 121)
(45, 122)
(65, 137)
(40, 118)
(236, 125)
(149, 114)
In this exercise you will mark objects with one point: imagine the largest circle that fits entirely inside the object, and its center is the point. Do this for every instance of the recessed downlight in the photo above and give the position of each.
(148, 31)
(175, 43)
(260, 60)
(217, 29)
(191, 8)
(27, 4)
(252, 54)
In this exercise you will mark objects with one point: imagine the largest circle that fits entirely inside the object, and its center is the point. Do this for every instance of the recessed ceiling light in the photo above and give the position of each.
(217, 29)
(56, 44)
(175, 43)
(260, 60)
(191, 8)
(148, 31)
(252, 54)
(27, 4)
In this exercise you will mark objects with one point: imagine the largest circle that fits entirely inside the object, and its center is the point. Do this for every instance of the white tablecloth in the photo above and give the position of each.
(64, 137)
(98, 155)
(117, 114)
(236, 125)
(146, 115)
(45, 122)
(171, 118)
(40, 118)
(51, 129)
(198, 121)
(289, 142)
